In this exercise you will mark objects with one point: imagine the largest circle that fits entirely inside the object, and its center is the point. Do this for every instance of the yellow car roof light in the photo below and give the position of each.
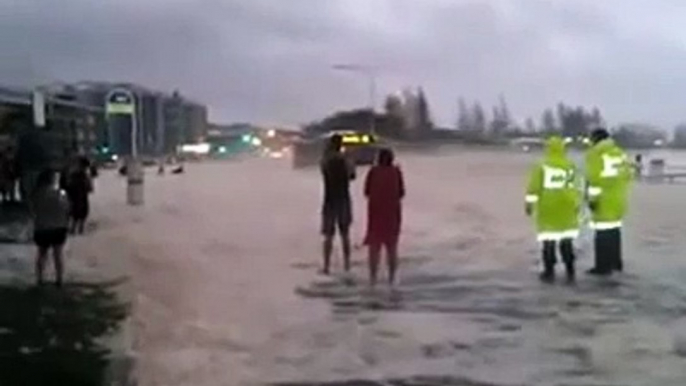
(351, 139)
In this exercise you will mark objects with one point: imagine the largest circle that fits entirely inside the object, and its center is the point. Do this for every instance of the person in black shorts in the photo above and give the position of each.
(337, 172)
(79, 186)
(50, 209)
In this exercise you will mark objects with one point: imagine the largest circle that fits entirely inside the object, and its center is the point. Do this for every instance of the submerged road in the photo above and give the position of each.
(224, 261)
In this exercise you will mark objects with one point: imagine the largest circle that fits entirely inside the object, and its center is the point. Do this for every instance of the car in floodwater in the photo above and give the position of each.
(360, 147)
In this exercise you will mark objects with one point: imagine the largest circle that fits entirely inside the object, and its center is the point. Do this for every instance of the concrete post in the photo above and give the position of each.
(135, 182)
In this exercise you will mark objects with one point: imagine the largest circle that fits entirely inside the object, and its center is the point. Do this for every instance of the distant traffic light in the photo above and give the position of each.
(222, 149)
(247, 138)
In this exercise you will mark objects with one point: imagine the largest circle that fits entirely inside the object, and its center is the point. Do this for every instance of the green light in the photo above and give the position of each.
(246, 138)
(105, 149)
(222, 149)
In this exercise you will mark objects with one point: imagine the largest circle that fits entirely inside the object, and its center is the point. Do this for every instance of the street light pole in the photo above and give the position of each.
(371, 78)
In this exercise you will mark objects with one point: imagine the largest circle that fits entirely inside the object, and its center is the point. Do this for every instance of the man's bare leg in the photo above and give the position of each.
(345, 243)
(327, 249)
(392, 260)
(40, 264)
(59, 265)
(374, 257)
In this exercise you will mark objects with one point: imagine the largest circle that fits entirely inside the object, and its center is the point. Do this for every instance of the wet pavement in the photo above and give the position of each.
(225, 263)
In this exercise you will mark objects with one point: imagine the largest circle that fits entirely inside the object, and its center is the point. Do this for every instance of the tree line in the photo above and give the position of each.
(563, 120)
(407, 115)
(473, 120)
(571, 121)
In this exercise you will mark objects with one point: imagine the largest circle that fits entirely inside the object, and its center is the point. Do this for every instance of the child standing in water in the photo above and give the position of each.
(384, 189)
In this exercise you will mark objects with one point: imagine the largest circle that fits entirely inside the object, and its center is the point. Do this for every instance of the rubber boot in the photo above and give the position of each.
(548, 275)
(568, 257)
(549, 258)
(603, 254)
(618, 264)
(571, 272)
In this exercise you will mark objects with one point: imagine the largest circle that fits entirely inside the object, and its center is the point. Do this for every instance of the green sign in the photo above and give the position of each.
(115, 108)
(120, 102)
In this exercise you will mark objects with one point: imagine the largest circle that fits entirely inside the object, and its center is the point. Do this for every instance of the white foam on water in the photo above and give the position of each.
(216, 246)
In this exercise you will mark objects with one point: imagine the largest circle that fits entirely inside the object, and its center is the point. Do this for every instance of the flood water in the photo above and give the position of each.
(226, 261)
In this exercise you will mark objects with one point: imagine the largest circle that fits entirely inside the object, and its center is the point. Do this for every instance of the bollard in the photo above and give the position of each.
(135, 183)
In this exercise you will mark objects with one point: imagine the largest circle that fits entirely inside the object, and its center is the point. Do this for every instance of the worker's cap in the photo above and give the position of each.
(599, 134)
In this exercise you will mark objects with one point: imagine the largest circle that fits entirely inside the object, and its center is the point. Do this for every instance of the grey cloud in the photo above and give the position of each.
(270, 60)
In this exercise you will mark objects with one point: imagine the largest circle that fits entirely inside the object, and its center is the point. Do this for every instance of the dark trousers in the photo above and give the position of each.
(566, 247)
(608, 250)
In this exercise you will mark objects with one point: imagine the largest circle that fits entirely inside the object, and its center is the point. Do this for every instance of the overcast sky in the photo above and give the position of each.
(270, 60)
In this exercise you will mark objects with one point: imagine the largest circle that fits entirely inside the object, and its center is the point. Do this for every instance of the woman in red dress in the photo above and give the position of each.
(384, 189)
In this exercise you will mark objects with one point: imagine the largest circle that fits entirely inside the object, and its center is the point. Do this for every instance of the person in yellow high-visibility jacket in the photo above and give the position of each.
(608, 176)
(553, 194)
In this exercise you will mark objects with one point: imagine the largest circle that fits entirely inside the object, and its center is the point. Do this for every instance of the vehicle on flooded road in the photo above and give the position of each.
(360, 147)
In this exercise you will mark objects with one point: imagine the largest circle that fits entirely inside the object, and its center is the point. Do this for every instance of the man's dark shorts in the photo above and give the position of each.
(336, 215)
(48, 238)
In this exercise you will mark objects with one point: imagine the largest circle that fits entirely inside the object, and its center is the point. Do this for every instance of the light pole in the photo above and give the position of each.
(371, 77)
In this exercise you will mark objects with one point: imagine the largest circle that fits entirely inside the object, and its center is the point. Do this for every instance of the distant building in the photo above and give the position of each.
(165, 121)
(71, 124)
(12, 103)
(80, 132)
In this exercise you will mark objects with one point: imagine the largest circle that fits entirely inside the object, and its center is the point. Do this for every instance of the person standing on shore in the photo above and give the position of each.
(6, 178)
(608, 176)
(638, 166)
(337, 172)
(160, 167)
(553, 195)
(79, 187)
(50, 209)
(384, 188)
(12, 174)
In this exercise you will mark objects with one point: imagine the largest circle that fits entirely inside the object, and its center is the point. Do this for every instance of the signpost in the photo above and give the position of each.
(121, 101)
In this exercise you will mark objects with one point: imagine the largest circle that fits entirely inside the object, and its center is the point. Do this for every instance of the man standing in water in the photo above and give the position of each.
(552, 192)
(608, 175)
(337, 172)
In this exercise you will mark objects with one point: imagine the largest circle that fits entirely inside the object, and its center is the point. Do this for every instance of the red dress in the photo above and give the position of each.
(384, 188)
